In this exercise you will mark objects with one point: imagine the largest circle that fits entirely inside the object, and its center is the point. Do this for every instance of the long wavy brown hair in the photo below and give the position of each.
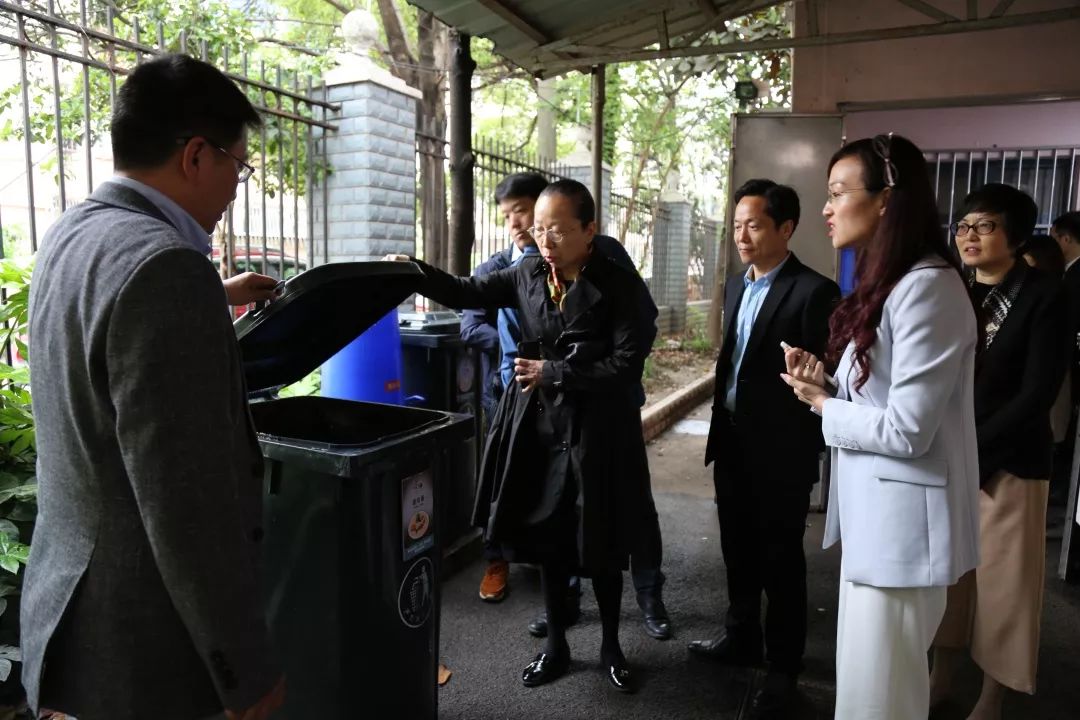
(907, 232)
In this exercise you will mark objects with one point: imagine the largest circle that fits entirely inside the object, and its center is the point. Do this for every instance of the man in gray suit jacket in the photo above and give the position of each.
(141, 597)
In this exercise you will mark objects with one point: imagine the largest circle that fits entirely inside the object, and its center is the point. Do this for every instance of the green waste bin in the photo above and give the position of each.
(352, 532)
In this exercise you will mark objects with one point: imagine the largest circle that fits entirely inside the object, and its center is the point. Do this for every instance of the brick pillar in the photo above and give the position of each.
(371, 189)
(712, 257)
(671, 257)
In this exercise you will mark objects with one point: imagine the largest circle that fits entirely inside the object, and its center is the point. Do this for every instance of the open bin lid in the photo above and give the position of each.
(318, 313)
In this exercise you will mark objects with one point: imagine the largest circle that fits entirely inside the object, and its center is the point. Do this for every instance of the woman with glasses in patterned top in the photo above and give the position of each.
(564, 482)
(994, 610)
(900, 425)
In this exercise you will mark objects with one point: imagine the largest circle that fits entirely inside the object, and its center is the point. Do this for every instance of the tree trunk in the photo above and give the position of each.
(462, 160)
(431, 121)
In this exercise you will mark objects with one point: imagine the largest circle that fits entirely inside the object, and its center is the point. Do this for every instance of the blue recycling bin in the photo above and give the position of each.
(368, 368)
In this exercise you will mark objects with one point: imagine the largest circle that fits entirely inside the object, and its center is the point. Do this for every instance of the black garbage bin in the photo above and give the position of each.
(440, 372)
(351, 523)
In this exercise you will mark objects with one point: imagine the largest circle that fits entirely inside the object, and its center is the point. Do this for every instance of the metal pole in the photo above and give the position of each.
(229, 250)
(296, 172)
(87, 140)
(599, 96)
(309, 186)
(56, 111)
(264, 264)
(462, 160)
(27, 138)
(281, 182)
(247, 185)
(325, 179)
(1053, 183)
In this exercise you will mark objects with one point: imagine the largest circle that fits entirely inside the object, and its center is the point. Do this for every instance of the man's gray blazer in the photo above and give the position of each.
(141, 597)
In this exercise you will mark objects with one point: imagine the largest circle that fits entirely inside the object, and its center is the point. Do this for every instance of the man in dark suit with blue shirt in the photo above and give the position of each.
(765, 443)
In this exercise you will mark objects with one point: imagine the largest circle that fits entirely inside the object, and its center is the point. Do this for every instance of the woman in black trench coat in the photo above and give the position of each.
(565, 480)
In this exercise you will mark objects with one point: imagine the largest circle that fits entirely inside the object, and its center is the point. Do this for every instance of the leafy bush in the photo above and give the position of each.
(18, 452)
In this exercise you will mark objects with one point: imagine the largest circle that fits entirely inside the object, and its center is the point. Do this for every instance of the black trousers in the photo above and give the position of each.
(645, 560)
(762, 503)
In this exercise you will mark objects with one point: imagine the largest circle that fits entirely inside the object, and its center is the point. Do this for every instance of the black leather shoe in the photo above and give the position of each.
(620, 676)
(538, 626)
(724, 651)
(545, 668)
(656, 620)
(776, 700)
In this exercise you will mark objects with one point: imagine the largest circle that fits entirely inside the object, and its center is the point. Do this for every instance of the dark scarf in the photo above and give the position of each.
(1000, 299)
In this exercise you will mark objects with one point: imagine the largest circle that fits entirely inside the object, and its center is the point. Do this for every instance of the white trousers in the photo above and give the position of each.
(882, 638)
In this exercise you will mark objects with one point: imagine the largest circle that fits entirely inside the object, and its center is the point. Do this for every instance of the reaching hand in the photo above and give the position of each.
(249, 287)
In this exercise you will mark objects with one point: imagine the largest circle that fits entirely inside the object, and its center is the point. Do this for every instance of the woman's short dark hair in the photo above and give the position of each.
(172, 98)
(1068, 224)
(578, 194)
(520, 185)
(1016, 207)
(1046, 253)
(781, 201)
(908, 232)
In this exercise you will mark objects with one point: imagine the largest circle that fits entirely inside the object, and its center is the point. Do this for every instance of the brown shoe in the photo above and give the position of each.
(493, 586)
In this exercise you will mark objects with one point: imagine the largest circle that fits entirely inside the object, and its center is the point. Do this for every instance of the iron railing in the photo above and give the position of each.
(636, 224)
(1050, 175)
(494, 161)
(704, 246)
(59, 106)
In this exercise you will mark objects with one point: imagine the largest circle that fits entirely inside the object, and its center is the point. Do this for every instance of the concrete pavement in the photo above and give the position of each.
(486, 646)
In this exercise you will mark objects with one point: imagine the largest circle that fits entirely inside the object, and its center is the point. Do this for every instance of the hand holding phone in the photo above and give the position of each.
(828, 378)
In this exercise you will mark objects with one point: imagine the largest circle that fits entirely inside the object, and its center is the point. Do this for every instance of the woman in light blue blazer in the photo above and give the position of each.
(900, 424)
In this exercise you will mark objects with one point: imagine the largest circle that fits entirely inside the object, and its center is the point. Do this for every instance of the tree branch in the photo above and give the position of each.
(290, 46)
(398, 41)
(343, 9)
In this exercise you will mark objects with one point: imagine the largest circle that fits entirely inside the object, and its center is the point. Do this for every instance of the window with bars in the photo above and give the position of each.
(1050, 175)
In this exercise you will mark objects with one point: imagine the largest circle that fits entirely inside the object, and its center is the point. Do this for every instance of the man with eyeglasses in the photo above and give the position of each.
(142, 596)
(516, 196)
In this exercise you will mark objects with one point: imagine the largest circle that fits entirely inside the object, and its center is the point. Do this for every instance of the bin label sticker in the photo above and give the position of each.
(415, 595)
(417, 515)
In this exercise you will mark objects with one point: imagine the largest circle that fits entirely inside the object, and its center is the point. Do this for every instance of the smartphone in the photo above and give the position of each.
(529, 350)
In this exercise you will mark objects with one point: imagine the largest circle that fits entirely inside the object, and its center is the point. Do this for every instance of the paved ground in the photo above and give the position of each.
(486, 646)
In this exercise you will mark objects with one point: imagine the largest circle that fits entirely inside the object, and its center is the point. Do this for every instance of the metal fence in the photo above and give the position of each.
(54, 112)
(704, 245)
(494, 161)
(637, 224)
(1050, 175)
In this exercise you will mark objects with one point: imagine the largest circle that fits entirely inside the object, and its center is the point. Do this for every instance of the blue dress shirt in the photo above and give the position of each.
(752, 299)
(509, 327)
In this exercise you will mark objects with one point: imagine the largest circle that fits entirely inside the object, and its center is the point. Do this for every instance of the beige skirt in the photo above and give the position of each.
(995, 609)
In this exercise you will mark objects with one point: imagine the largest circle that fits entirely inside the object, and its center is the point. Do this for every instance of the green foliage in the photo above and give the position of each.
(18, 452)
(219, 28)
(310, 385)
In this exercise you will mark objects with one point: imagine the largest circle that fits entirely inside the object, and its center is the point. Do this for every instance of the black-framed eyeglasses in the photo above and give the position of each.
(244, 171)
(983, 227)
(882, 145)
